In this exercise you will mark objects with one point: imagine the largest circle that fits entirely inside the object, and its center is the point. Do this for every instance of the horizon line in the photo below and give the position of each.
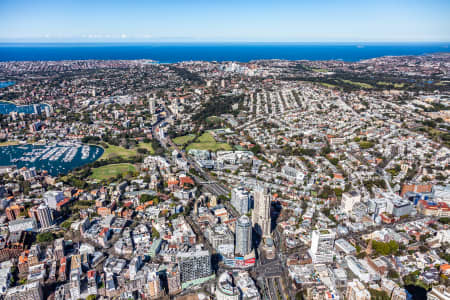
(220, 42)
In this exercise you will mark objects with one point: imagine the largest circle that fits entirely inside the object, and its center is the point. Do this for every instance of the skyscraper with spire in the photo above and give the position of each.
(261, 212)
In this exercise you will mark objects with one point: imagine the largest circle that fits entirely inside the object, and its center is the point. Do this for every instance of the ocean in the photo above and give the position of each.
(242, 52)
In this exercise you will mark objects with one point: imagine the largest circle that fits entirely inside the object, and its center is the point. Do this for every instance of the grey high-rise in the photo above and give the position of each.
(243, 236)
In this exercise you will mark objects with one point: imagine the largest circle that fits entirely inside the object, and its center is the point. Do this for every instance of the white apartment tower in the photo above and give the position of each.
(261, 212)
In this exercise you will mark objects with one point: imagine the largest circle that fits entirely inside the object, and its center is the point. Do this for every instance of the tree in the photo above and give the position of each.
(145, 198)
(393, 274)
(142, 151)
(445, 220)
(45, 237)
(382, 248)
(255, 149)
(155, 233)
(66, 224)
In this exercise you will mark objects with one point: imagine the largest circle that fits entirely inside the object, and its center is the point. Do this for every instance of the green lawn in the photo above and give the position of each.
(207, 142)
(181, 140)
(361, 84)
(118, 151)
(320, 70)
(109, 171)
(396, 85)
(206, 138)
(328, 85)
(147, 146)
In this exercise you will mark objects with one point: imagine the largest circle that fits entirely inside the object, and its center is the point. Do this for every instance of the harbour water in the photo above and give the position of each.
(54, 158)
(8, 107)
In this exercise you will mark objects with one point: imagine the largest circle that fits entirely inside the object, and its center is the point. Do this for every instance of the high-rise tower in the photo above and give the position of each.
(45, 216)
(243, 236)
(261, 212)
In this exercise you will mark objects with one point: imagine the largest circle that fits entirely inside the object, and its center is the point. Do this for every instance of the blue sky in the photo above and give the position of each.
(231, 20)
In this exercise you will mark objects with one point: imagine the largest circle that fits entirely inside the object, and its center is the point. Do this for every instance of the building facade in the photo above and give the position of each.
(195, 267)
(261, 212)
(45, 216)
(241, 200)
(243, 236)
(322, 246)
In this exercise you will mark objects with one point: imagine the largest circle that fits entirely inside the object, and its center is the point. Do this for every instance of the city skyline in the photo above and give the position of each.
(202, 21)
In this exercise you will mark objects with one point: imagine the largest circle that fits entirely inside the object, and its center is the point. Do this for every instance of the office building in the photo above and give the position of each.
(241, 200)
(45, 216)
(322, 246)
(243, 236)
(261, 212)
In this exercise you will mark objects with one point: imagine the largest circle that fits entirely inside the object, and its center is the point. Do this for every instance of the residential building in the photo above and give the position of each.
(45, 216)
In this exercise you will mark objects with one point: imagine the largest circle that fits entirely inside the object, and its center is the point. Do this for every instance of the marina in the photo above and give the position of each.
(8, 107)
(55, 158)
